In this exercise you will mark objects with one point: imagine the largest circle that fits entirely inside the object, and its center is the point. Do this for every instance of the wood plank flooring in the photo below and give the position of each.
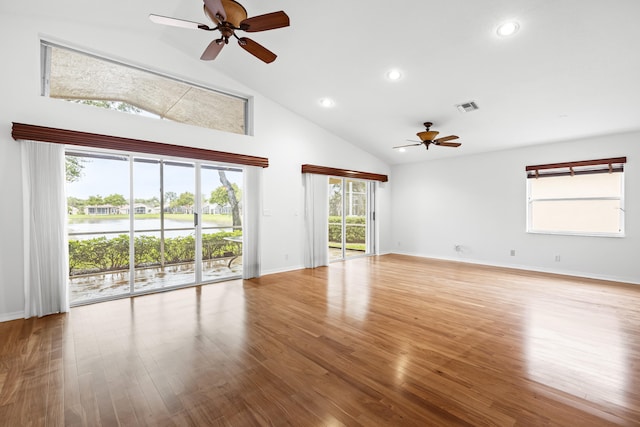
(380, 341)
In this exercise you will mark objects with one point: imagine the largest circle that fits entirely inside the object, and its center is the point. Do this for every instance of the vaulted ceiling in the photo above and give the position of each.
(571, 71)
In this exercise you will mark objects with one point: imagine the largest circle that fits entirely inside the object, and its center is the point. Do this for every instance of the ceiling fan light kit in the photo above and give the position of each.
(428, 137)
(230, 16)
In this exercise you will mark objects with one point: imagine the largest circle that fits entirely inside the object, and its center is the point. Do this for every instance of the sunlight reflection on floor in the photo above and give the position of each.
(585, 357)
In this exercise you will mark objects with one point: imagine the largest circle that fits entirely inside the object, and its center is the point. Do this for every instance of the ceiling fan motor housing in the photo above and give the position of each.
(235, 12)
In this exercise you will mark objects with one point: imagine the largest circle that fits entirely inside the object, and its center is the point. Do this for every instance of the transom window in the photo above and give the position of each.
(578, 198)
(83, 78)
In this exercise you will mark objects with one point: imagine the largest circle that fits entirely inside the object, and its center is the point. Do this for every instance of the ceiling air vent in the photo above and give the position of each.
(467, 107)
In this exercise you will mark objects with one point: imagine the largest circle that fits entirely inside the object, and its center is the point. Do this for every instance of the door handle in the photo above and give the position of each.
(195, 219)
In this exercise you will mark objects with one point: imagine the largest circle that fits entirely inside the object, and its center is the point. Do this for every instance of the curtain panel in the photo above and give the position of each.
(45, 235)
(251, 229)
(316, 220)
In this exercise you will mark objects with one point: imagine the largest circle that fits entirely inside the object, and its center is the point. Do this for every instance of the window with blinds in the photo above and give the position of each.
(577, 198)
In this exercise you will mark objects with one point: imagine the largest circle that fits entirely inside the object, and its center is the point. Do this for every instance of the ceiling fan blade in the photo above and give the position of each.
(215, 9)
(269, 21)
(174, 22)
(446, 138)
(212, 51)
(408, 145)
(448, 144)
(427, 135)
(257, 50)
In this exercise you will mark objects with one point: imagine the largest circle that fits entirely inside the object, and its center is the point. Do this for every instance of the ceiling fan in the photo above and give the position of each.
(230, 16)
(428, 137)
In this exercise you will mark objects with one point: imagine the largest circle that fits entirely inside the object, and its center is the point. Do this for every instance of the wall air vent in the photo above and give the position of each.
(467, 107)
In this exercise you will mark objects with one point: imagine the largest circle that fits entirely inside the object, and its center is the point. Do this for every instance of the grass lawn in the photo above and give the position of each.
(351, 246)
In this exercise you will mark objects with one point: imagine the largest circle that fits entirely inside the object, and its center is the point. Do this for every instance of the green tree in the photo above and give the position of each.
(95, 201)
(151, 202)
(335, 199)
(169, 198)
(73, 168)
(109, 105)
(115, 200)
(220, 195)
(74, 202)
(233, 194)
(185, 200)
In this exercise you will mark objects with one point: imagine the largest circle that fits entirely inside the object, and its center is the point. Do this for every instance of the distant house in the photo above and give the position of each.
(101, 210)
(214, 208)
(138, 208)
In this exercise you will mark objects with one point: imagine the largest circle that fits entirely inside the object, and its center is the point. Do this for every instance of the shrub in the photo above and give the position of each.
(355, 229)
(102, 254)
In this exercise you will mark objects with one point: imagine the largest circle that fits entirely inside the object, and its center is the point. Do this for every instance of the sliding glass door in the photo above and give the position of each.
(350, 215)
(139, 224)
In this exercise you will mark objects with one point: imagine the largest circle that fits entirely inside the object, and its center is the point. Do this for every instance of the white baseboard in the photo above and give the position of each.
(530, 268)
(5, 317)
(281, 270)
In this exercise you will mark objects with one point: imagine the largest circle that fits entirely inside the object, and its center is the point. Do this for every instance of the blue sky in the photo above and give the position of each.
(102, 177)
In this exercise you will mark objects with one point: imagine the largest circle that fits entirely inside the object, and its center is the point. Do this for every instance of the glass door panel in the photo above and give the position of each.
(221, 218)
(336, 219)
(164, 228)
(355, 218)
(98, 225)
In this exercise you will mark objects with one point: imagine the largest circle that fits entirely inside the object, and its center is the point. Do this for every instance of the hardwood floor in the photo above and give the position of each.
(390, 340)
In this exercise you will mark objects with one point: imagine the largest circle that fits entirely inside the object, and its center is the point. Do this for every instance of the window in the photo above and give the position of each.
(578, 198)
(82, 78)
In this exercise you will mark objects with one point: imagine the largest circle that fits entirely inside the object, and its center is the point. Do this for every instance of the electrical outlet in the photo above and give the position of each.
(557, 258)
(513, 252)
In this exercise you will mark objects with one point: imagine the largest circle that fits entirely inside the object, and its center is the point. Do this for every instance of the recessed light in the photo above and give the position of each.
(508, 29)
(327, 102)
(394, 75)
(402, 149)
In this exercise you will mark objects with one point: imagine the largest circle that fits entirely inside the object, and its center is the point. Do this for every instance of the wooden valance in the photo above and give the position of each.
(85, 139)
(615, 164)
(322, 170)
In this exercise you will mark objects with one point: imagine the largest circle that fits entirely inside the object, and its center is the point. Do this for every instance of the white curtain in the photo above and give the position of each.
(251, 222)
(316, 220)
(45, 235)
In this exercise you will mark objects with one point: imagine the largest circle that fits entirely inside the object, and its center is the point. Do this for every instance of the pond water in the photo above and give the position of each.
(112, 227)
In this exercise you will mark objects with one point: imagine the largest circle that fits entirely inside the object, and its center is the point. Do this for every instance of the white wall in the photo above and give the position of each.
(479, 202)
(285, 138)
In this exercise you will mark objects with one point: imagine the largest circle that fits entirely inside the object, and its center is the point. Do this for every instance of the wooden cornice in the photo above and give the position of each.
(614, 160)
(323, 170)
(614, 164)
(85, 139)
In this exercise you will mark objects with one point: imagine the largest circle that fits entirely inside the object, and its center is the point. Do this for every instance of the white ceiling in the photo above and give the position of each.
(572, 70)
